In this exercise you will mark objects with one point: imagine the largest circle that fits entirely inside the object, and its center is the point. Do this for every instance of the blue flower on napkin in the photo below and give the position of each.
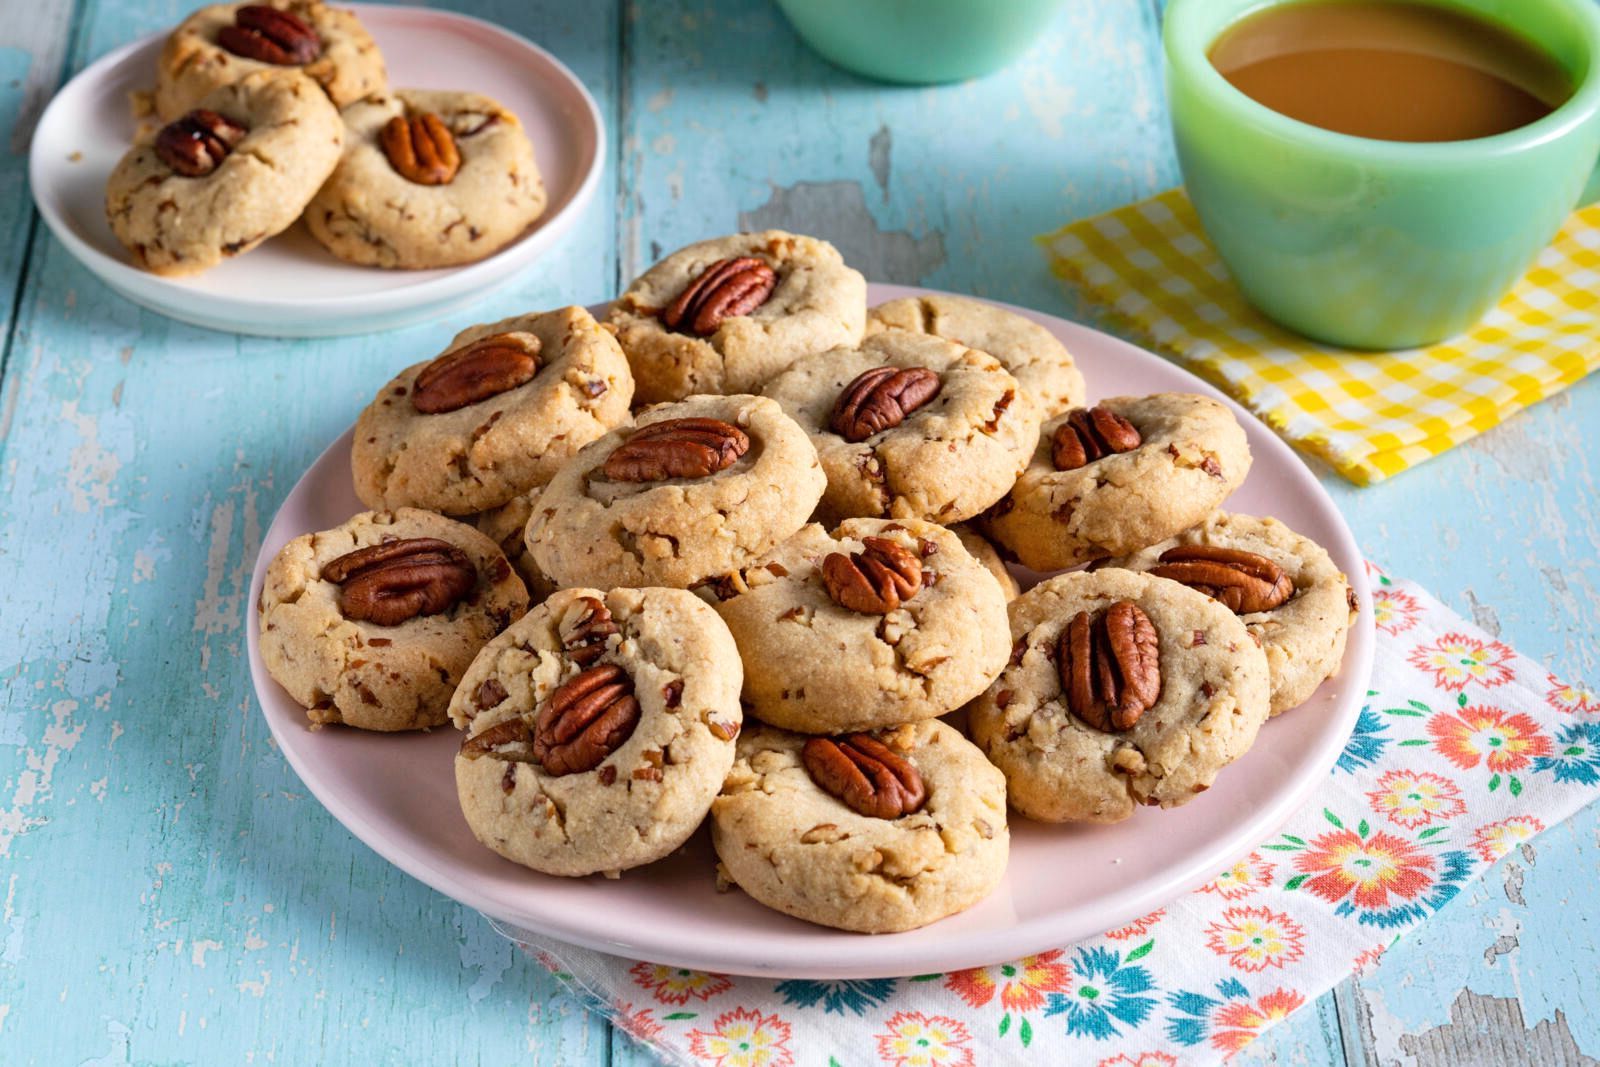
(1366, 744)
(1575, 756)
(1104, 992)
(856, 995)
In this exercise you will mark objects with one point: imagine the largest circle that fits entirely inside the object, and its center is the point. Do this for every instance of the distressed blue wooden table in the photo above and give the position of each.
(170, 891)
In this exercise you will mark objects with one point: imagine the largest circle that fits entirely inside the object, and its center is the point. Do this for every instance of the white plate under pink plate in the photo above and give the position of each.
(397, 793)
(291, 286)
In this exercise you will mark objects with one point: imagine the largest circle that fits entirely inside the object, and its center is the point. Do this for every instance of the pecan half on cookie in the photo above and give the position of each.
(874, 581)
(726, 289)
(270, 35)
(586, 719)
(474, 372)
(677, 448)
(1244, 582)
(866, 774)
(196, 144)
(1090, 434)
(881, 399)
(390, 583)
(421, 148)
(1110, 666)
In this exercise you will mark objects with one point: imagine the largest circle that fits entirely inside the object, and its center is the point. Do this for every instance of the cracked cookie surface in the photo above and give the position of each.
(819, 667)
(1045, 372)
(362, 674)
(946, 461)
(798, 849)
(1192, 455)
(175, 225)
(193, 64)
(816, 303)
(649, 793)
(1213, 701)
(1304, 637)
(483, 454)
(591, 530)
(368, 213)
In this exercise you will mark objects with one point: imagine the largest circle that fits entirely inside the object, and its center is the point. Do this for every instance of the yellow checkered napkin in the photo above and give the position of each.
(1369, 414)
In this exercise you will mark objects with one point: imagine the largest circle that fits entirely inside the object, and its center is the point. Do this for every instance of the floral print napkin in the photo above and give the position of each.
(1464, 750)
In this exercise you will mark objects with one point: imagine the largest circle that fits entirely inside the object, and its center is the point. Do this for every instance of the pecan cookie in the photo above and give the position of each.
(427, 179)
(877, 624)
(505, 526)
(1285, 587)
(1042, 366)
(1110, 479)
(221, 43)
(1122, 689)
(694, 489)
(496, 414)
(910, 426)
(866, 832)
(226, 176)
(371, 624)
(723, 316)
(599, 729)
(983, 550)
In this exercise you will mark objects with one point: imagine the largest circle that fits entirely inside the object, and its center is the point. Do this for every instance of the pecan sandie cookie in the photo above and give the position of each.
(598, 729)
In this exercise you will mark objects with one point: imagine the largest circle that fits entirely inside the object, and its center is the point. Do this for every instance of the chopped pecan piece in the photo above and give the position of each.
(584, 628)
(1089, 434)
(726, 289)
(587, 718)
(874, 581)
(880, 399)
(270, 35)
(196, 144)
(476, 371)
(867, 775)
(677, 448)
(1110, 665)
(1242, 581)
(421, 148)
(511, 732)
(489, 693)
(388, 583)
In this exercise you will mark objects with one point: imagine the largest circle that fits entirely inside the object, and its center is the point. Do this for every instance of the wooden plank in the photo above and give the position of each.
(168, 883)
(32, 54)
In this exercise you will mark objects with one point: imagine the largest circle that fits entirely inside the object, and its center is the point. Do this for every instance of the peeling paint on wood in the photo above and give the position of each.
(1491, 1030)
(837, 212)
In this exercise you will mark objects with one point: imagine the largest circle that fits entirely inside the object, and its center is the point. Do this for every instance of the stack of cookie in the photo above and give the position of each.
(794, 525)
(279, 111)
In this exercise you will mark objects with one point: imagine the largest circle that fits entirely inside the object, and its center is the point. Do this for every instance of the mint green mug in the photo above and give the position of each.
(1380, 244)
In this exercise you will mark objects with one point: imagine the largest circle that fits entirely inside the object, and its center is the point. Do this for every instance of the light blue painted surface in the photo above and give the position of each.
(170, 893)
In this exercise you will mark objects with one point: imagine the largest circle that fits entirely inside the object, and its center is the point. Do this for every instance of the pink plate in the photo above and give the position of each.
(397, 793)
(291, 286)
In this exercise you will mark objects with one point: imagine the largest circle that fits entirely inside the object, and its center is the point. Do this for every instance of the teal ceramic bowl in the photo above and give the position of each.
(920, 42)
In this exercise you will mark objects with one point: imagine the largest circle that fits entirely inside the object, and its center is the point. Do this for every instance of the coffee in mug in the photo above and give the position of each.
(1403, 71)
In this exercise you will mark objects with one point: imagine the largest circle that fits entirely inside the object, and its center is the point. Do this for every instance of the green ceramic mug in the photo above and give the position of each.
(1380, 244)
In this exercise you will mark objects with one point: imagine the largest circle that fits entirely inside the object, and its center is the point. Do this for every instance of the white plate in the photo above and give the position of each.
(291, 286)
(397, 793)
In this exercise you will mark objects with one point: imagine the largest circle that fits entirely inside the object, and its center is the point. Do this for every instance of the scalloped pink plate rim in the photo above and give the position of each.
(396, 793)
